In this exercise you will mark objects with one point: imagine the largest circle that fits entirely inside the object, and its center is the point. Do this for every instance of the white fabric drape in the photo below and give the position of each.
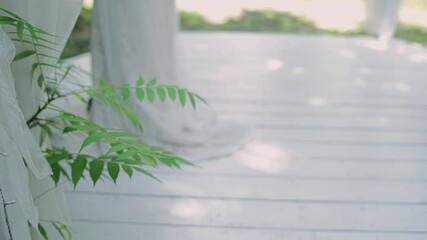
(132, 38)
(382, 18)
(17, 142)
(56, 17)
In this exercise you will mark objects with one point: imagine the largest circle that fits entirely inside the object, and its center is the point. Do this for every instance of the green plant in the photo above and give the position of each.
(79, 41)
(125, 153)
(63, 230)
(412, 33)
(269, 21)
(195, 21)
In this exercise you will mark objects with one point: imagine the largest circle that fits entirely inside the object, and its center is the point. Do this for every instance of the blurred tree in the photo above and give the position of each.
(194, 21)
(412, 34)
(79, 40)
(269, 21)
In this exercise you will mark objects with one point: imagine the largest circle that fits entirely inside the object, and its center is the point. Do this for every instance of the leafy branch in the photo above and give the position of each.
(63, 230)
(124, 152)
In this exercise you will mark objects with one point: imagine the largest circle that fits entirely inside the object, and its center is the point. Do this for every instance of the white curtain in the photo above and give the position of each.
(18, 101)
(132, 38)
(16, 143)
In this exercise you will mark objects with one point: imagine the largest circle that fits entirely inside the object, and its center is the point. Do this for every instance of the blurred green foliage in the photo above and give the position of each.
(79, 41)
(253, 20)
(412, 33)
(195, 21)
(269, 21)
(259, 20)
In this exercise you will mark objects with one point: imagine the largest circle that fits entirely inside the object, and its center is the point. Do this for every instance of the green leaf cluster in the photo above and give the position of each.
(117, 97)
(63, 230)
(124, 153)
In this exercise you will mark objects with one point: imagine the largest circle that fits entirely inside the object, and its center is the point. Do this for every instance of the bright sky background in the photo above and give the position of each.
(337, 14)
(333, 14)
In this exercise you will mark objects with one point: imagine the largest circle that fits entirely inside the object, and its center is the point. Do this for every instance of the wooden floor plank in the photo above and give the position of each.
(114, 230)
(363, 217)
(271, 187)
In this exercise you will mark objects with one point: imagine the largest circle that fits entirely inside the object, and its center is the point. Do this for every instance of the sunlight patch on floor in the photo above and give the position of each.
(265, 157)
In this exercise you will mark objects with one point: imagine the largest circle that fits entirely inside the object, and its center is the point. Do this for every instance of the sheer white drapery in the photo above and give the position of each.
(17, 143)
(19, 100)
(132, 38)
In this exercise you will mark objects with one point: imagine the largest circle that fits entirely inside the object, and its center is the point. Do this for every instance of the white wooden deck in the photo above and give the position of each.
(339, 153)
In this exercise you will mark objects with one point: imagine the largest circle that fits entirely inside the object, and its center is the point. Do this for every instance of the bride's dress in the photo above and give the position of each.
(132, 38)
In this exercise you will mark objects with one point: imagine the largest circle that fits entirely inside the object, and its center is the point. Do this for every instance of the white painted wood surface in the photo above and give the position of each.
(339, 150)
